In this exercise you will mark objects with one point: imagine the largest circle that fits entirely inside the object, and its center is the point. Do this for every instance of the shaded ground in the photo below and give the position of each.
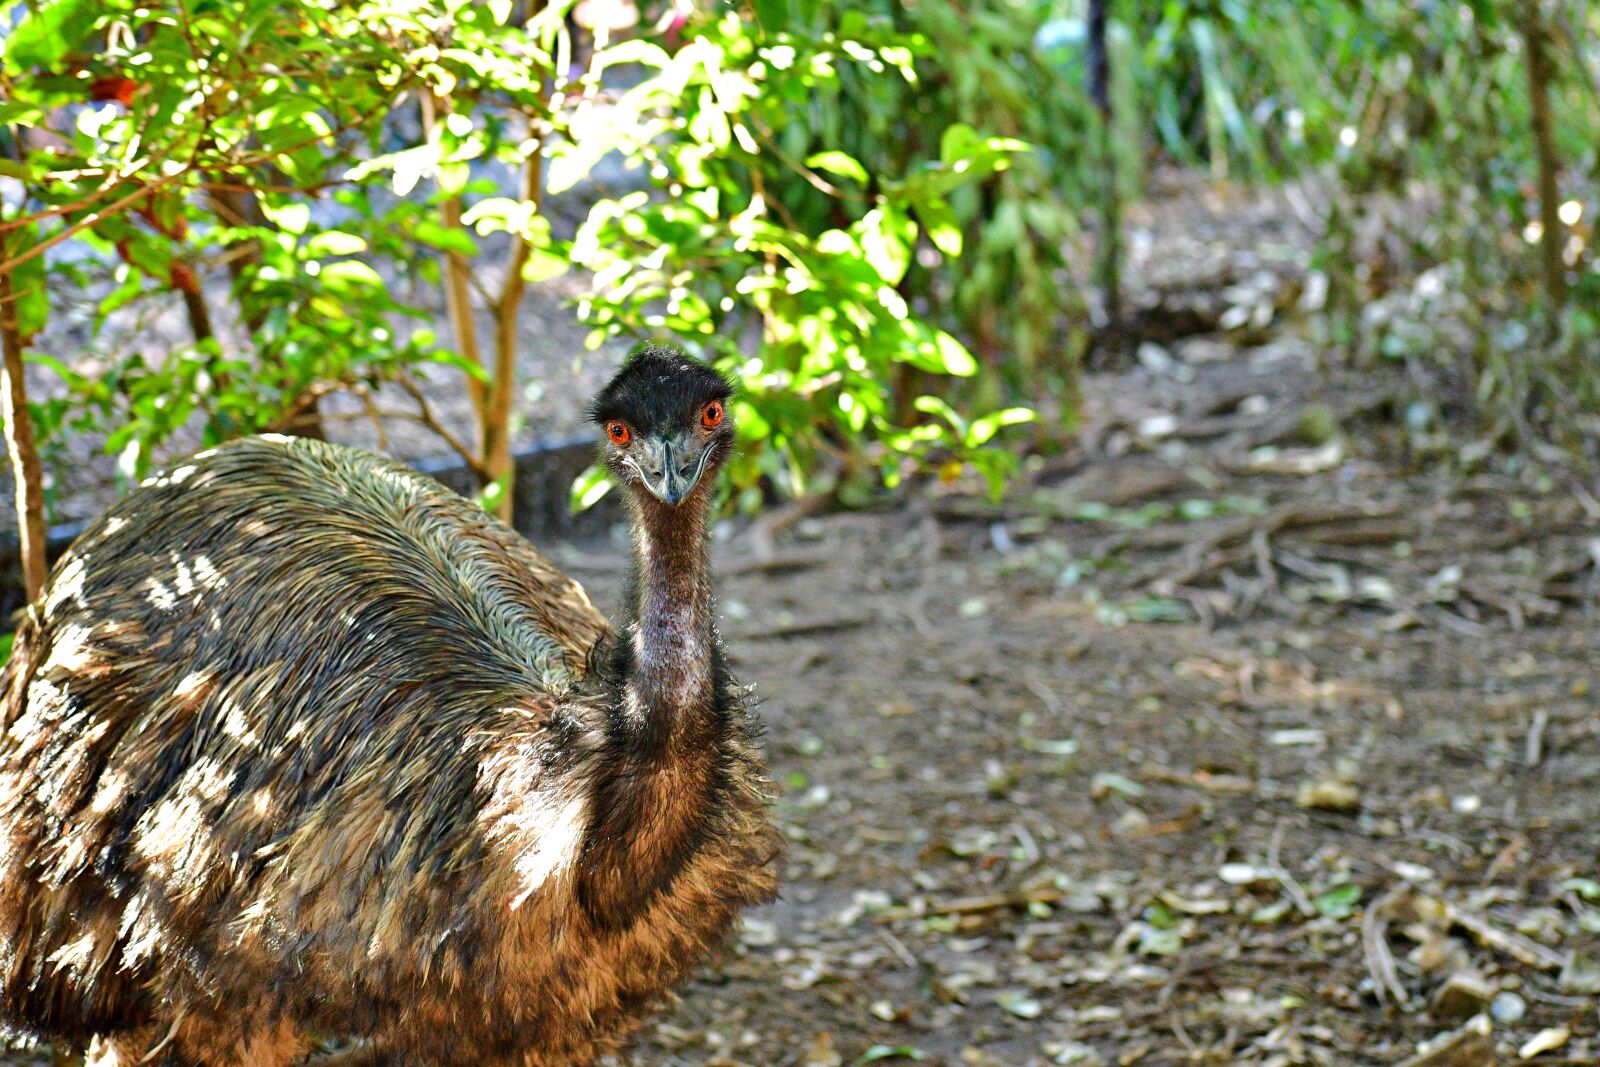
(1233, 738)
(1352, 742)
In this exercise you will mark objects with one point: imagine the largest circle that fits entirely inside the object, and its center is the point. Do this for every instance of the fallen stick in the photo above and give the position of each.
(779, 561)
(1375, 947)
(974, 905)
(1522, 949)
(803, 627)
(1533, 751)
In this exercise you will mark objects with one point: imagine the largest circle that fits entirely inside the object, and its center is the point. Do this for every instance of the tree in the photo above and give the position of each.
(312, 152)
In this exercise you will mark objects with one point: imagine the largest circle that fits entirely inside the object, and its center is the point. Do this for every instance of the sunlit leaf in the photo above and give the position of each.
(589, 487)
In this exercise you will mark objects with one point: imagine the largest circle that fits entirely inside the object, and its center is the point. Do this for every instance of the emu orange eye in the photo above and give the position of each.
(711, 416)
(619, 433)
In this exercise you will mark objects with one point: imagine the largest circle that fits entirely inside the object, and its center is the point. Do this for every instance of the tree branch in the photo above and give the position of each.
(426, 418)
(20, 440)
(458, 278)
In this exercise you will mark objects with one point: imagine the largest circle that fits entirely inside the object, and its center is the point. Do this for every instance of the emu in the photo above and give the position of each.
(299, 746)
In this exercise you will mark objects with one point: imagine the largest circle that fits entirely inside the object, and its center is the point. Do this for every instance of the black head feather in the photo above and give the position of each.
(659, 389)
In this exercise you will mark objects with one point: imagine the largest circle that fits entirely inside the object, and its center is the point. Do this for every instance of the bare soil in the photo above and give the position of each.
(1232, 737)
(1190, 753)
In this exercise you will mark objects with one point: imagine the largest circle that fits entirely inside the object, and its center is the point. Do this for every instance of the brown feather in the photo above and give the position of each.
(300, 745)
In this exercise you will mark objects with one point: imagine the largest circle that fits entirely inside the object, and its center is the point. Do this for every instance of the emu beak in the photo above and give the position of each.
(670, 467)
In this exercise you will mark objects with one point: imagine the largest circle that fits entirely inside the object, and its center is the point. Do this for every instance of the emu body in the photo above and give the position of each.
(297, 745)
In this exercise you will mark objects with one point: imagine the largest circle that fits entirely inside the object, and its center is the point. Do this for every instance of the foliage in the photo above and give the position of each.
(1421, 115)
(157, 142)
(161, 139)
(980, 66)
(721, 257)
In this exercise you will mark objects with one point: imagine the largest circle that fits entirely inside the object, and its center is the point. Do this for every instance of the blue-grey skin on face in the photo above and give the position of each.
(668, 465)
(664, 421)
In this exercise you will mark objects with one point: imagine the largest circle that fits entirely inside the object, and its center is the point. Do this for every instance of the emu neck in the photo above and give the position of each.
(670, 698)
(652, 800)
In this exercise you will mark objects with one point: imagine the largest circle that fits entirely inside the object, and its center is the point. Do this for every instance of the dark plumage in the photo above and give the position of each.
(299, 745)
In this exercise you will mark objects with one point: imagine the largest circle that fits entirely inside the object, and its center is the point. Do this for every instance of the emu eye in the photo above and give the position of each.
(711, 415)
(619, 433)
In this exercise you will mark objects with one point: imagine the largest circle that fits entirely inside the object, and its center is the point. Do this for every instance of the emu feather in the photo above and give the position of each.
(298, 745)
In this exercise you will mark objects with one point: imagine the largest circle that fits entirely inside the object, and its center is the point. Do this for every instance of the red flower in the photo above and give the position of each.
(113, 87)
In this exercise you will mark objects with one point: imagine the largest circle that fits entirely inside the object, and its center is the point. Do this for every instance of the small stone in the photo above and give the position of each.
(1581, 974)
(1330, 794)
(1463, 995)
(1436, 953)
(1469, 1046)
(1544, 1041)
(1507, 1008)
(1155, 359)
(821, 1052)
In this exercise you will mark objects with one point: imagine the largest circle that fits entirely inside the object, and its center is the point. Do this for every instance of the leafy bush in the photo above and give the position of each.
(314, 151)
(1423, 117)
(721, 256)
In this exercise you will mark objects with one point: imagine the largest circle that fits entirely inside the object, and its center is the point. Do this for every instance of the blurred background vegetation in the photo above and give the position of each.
(898, 222)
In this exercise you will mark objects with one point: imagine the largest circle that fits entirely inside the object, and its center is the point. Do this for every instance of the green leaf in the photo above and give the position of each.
(891, 1052)
(334, 243)
(1019, 1004)
(458, 361)
(1118, 783)
(839, 163)
(773, 15)
(43, 39)
(885, 238)
(1158, 609)
(29, 285)
(959, 141)
(933, 405)
(987, 426)
(1339, 902)
(411, 165)
(1587, 888)
(489, 496)
(943, 228)
(437, 235)
(542, 266)
(587, 489)
(351, 272)
(290, 218)
(938, 352)
(19, 113)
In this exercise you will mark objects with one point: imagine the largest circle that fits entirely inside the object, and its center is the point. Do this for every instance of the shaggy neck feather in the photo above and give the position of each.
(670, 692)
(659, 786)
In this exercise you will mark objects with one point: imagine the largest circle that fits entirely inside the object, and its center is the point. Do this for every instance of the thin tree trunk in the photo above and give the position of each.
(457, 282)
(1540, 73)
(495, 442)
(1108, 265)
(235, 207)
(20, 441)
(194, 302)
(495, 425)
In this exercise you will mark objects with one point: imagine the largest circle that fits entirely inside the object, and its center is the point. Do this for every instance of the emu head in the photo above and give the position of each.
(664, 422)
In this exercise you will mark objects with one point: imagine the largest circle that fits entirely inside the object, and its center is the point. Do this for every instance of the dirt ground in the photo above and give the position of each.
(1258, 729)
(1202, 750)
